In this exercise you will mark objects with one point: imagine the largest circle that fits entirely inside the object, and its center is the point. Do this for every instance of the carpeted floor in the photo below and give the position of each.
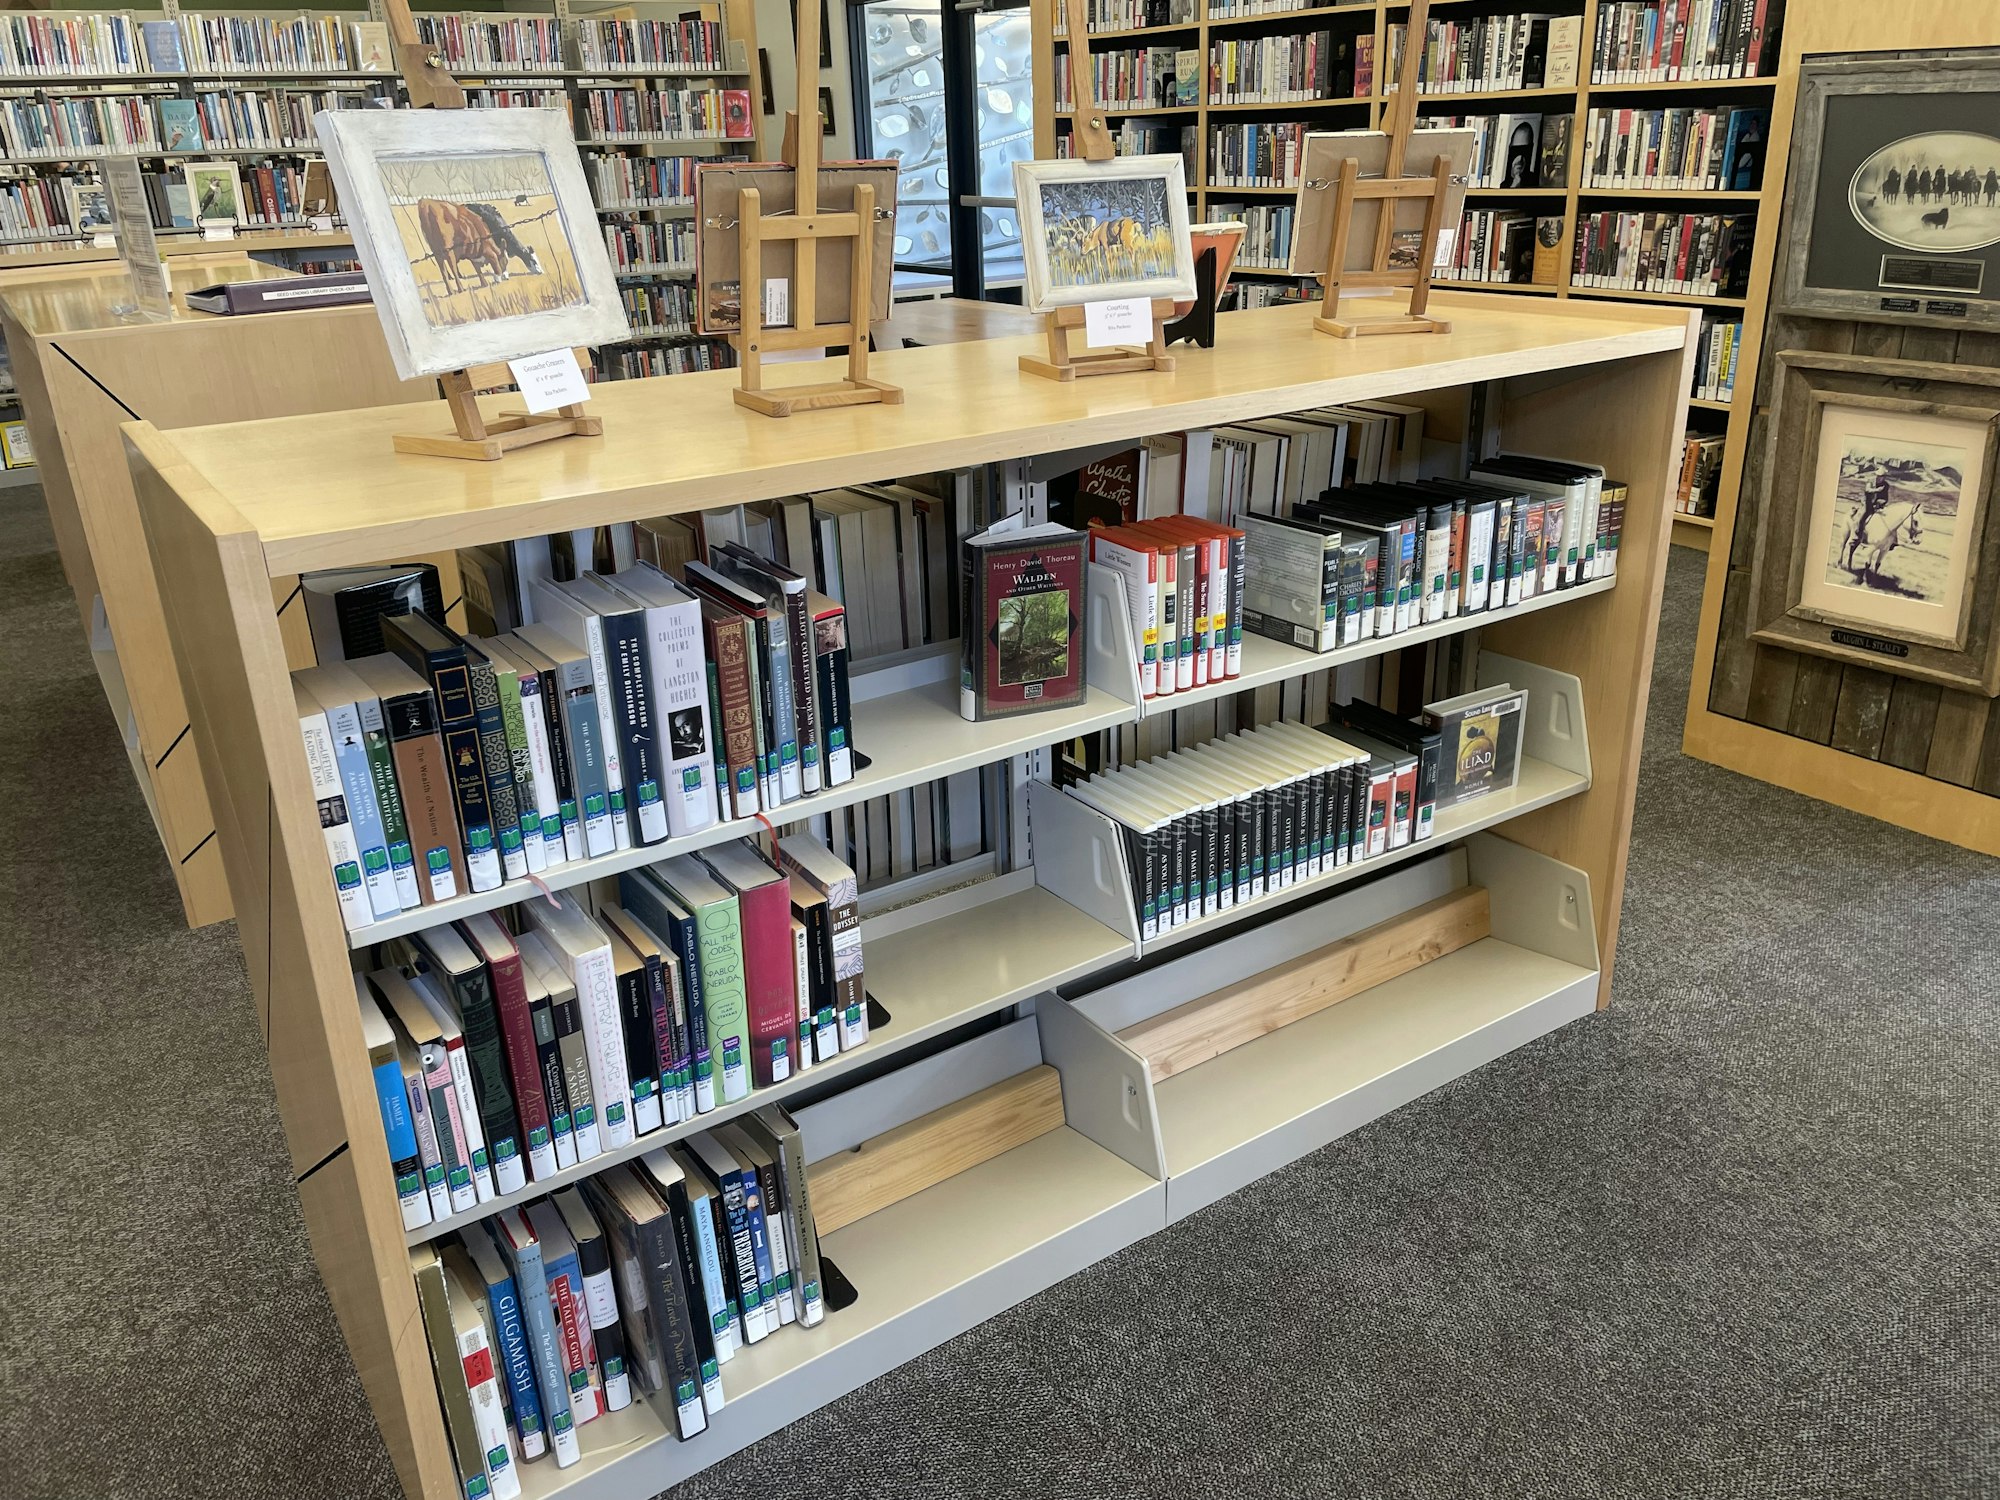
(1734, 1238)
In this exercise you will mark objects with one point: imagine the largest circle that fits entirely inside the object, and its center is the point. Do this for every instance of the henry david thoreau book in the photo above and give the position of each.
(1023, 595)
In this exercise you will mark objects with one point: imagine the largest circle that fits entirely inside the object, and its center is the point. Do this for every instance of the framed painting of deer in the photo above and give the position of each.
(1877, 542)
(1893, 199)
(477, 231)
(1099, 231)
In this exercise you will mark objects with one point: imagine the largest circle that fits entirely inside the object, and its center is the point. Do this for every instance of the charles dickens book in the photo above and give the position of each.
(1023, 592)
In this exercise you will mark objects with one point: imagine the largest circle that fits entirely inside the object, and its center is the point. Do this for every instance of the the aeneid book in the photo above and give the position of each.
(1024, 594)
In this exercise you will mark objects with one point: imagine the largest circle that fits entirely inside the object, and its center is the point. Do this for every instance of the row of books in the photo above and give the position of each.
(1715, 357)
(518, 97)
(1701, 473)
(1184, 583)
(1513, 150)
(1262, 153)
(1714, 149)
(1289, 68)
(662, 307)
(643, 244)
(529, 43)
(1491, 52)
(1506, 245)
(39, 208)
(1686, 254)
(619, 45)
(630, 362)
(127, 124)
(686, 114)
(1267, 233)
(643, 181)
(1135, 78)
(1372, 561)
(645, 1280)
(1131, 15)
(242, 119)
(1248, 294)
(1657, 41)
(1142, 138)
(517, 1055)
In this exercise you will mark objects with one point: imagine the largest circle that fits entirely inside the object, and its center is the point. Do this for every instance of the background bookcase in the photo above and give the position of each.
(295, 245)
(1731, 419)
(973, 979)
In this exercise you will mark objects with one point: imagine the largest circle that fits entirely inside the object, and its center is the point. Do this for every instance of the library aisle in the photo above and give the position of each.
(1724, 1238)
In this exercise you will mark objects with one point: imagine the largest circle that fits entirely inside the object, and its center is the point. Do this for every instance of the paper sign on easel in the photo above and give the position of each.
(1117, 323)
(547, 381)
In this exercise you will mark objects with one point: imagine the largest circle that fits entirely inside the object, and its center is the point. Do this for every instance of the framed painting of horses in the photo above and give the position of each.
(1877, 543)
(1894, 191)
(477, 231)
(1100, 231)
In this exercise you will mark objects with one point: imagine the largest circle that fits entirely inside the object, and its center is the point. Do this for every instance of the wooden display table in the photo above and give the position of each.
(957, 320)
(82, 370)
(230, 509)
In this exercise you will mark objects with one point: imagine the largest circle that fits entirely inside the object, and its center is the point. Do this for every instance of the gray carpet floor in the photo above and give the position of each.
(1734, 1237)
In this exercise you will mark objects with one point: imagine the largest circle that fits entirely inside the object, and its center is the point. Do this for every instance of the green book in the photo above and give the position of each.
(724, 997)
(507, 682)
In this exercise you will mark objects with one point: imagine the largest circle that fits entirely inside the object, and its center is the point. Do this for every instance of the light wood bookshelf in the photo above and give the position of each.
(1731, 418)
(229, 508)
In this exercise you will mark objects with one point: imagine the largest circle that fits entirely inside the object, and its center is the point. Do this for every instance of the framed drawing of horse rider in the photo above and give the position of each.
(1894, 191)
(477, 231)
(1100, 231)
(1877, 543)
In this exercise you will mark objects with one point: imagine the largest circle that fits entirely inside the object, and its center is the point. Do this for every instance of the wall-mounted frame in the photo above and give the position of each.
(1877, 543)
(1894, 195)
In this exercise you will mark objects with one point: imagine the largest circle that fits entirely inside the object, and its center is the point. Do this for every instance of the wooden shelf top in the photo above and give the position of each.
(329, 490)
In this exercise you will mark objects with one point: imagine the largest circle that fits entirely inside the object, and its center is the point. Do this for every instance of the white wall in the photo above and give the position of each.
(774, 35)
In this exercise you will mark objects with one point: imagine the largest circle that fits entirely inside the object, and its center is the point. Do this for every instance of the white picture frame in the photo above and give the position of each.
(215, 193)
(1062, 238)
(89, 207)
(508, 207)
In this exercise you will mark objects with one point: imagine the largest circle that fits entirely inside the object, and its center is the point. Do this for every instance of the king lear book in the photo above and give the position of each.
(1023, 594)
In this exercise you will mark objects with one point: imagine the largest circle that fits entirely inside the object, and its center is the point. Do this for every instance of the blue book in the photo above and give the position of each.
(394, 1103)
(674, 925)
(570, 666)
(523, 1252)
(564, 1270)
(740, 1266)
(516, 1364)
(364, 813)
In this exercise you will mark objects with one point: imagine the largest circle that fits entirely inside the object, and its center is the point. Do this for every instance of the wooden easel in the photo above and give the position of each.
(1092, 138)
(1390, 189)
(431, 86)
(807, 227)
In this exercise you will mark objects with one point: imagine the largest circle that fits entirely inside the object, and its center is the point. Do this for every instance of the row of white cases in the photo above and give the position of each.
(1285, 69)
(647, 1280)
(1719, 149)
(1701, 474)
(1259, 154)
(619, 45)
(1514, 150)
(632, 114)
(509, 1057)
(1658, 41)
(1504, 245)
(1715, 358)
(1130, 15)
(1492, 52)
(1134, 78)
(1704, 255)
(1229, 822)
(1267, 234)
(1381, 560)
(640, 244)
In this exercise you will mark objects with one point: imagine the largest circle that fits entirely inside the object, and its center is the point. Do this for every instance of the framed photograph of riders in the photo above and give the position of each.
(1104, 231)
(1893, 203)
(1877, 543)
(477, 231)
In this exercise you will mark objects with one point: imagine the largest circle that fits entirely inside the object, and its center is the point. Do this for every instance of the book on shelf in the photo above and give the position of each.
(1700, 148)
(1024, 605)
(1657, 41)
(475, 1421)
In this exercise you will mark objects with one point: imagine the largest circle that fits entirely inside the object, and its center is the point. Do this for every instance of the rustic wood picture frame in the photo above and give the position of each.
(1789, 541)
(1920, 80)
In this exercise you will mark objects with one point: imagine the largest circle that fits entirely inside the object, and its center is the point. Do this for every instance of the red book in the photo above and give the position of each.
(736, 122)
(1024, 607)
(510, 996)
(764, 913)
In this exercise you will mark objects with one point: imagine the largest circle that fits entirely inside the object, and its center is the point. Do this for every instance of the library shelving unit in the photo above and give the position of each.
(976, 981)
(1250, 18)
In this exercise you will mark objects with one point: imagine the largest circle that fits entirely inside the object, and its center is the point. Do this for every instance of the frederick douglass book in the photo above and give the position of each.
(1023, 593)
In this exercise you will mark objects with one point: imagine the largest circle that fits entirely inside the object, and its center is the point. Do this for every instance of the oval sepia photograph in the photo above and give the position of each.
(1936, 191)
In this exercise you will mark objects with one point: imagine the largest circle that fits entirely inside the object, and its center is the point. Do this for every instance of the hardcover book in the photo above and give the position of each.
(1024, 607)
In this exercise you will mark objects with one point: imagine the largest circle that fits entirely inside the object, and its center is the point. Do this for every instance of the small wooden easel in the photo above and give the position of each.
(807, 227)
(431, 86)
(1092, 139)
(1391, 188)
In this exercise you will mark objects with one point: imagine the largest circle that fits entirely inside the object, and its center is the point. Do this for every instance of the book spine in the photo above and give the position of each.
(765, 917)
(670, 1031)
(548, 694)
(632, 709)
(672, 1322)
(343, 855)
(364, 812)
(971, 608)
(597, 993)
(680, 693)
(600, 1302)
(605, 697)
(686, 938)
(465, 1126)
(836, 702)
(554, 1077)
(586, 742)
(724, 1001)
(739, 711)
(566, 1299)
(545, 802)
(763, 721)
(427, 1146)
(805, 689)
(774, 631)
(458, 725)
(504, 1303)
(802, 989)
(742, 1258)
(573, 1048)
(799, 1219)
(468, 1448)
(498, 762)
(389, 801)
(724, 1317)
(772, 1210)
(642, 1048)
(546, 1346)
(527, 801)
(404, 1162)
(517, 1030)
(485, 1097)
(489, 1421)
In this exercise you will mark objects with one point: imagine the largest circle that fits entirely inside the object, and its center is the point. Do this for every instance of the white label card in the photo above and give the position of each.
(549, 380)
(1110, 325)
(777, 302)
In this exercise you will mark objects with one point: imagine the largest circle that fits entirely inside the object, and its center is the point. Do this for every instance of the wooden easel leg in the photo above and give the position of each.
(1336, 254)
(750, 292)
(465, 415)
(1420, 293)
